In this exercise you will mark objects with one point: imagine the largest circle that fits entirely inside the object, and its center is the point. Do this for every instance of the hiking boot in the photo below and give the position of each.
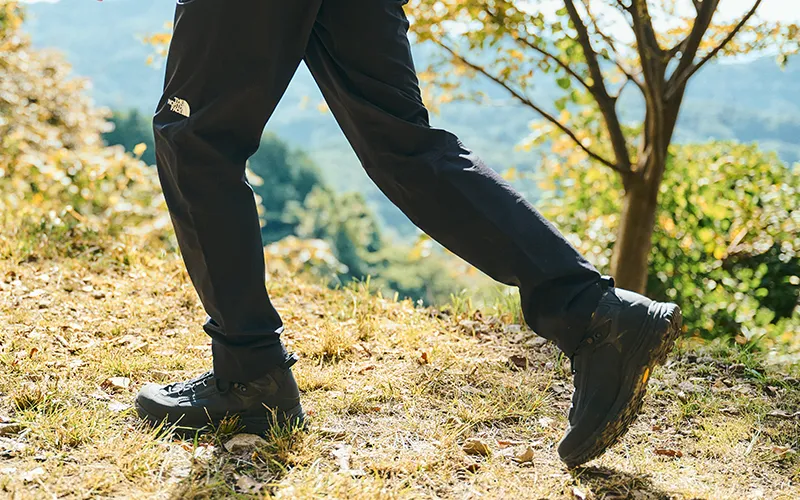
(628, 336)
(272, 400)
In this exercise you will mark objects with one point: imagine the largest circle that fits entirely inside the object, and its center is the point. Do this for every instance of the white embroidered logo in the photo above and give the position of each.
(179, 106)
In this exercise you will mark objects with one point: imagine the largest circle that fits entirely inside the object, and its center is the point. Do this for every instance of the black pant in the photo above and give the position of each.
(228, 66)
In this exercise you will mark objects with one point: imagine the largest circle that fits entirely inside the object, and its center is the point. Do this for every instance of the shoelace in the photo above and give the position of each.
(190, 385)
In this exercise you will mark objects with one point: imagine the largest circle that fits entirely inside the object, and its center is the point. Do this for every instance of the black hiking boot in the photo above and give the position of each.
(628, 336)
(272, 400)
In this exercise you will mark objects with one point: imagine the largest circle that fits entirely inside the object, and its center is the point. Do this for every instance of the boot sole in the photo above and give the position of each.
(281, 419)
(631, 397)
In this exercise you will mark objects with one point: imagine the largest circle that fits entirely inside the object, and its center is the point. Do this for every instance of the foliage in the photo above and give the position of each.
(133, 131)
(512, 43)
(56, 175)
(726, 244)
(282, 178)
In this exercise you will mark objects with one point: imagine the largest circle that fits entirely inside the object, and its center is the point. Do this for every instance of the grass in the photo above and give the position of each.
(392, 391)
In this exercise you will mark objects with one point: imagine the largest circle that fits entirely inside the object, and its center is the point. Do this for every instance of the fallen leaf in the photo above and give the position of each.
(471, 467)
(520, 362)
(117, 407)
(10, 428)
(332, 433)
(577, 493)
(116, 383)
(525, 457)
(342, 454)
(782, 450)
(505, 444)
(666, 452)
(474, 446)
(243, 442)
(365, 369)
(248, 485)
(545, 422)
(771, 390)
(783, 414)
(32, 474)
(730, 410)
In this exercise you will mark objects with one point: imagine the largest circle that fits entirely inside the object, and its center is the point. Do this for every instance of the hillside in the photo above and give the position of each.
(393, 393)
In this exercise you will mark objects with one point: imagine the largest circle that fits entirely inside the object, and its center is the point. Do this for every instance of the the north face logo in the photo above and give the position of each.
(179, 106)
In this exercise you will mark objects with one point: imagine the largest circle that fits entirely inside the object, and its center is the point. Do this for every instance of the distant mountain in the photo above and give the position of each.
(756, 101)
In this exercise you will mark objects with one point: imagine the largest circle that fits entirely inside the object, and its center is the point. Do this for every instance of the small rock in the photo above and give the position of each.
(244, 442)
(475, 446)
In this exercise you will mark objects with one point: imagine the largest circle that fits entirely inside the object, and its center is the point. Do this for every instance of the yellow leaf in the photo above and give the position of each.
(139, 149)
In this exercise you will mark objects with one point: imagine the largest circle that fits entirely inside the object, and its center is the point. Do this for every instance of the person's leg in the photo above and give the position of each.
(360, 57)
(229, 64)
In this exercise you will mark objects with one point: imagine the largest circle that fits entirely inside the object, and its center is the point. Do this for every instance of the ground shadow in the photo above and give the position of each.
(610, 484)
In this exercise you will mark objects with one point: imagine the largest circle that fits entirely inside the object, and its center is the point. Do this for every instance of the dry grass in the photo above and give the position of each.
(391, 389)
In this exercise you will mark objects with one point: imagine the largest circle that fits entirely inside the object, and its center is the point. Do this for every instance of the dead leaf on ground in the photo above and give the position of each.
(783, 414)
(521, 362)
(578, 493)
(332, 433)
(782, 450)
(365, 369)
(667, 452)
(502, 443)
(10, 428)
(244, 442)
(525, 457)
(475, 446)
(343, 453)
(32, 474)
(118, 407)
(116, 383)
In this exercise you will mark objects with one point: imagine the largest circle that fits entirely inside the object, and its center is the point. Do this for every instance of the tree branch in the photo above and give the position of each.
(555, 59)
(515, 35)
(691, 44)
(684, 77)
(599, 90)
(527, 102)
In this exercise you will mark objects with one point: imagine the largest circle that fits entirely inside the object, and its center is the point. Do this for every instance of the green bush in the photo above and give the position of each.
(727, 237)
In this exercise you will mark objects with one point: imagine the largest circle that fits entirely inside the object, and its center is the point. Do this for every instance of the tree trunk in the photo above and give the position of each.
(629, 264)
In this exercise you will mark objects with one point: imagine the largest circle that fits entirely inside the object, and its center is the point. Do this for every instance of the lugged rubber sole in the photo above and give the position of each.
(625, 413)
(293, 418)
